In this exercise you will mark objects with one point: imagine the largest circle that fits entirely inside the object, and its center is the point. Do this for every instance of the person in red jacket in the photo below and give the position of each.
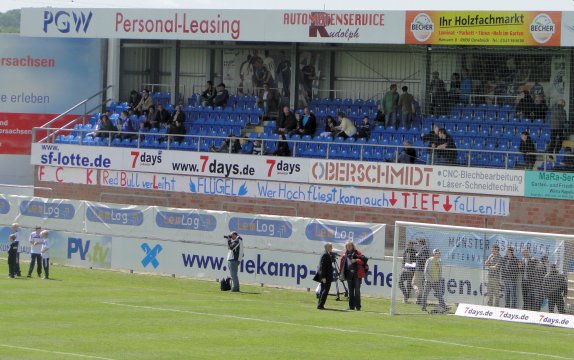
(352, 268)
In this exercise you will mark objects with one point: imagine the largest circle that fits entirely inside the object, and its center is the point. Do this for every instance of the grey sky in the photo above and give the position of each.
(552, 5)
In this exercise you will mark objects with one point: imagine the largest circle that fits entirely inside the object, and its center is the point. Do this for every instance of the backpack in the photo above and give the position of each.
(365, 265)
(225, 284)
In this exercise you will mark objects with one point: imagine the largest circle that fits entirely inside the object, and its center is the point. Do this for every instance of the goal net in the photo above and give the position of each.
(436, 267)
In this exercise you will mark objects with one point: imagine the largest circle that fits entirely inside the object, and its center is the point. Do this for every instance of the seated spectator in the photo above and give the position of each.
(539, 108)
(106, 127)
(408, 155)
(257, 147)
(246, 146)
(329, 127)
(126, 126)
(379, 118)
(567, 163)
(134, 100)
(525, 107)
(227, 147)
(306, 123)
(286, 121)
(346, 127)
(206, 97)
(267, 99)
(162, 116)
(445, 149)
(177, 128)
(282, 147)
(364, 130)
(431, 137)
(145, 103)
(178, 115)
(528, 148)
(151, 118)
(221, 97)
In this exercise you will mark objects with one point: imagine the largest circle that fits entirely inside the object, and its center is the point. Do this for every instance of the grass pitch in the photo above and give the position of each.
(93, 314)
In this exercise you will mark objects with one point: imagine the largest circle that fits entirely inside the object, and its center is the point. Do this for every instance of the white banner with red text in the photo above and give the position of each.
(502, 182)
(515, 315)
(352, 26)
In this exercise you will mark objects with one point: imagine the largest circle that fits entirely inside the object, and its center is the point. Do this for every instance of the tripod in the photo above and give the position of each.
(337, 279)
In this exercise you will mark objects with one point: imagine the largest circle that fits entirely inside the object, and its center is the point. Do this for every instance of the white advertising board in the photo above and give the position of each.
(220, 25)
(417, 177)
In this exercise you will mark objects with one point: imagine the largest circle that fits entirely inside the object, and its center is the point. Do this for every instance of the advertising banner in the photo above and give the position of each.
(417, 177)
(171, 162)
(567, 38)
(549, 185)
(505, 28)
(59, 214)
(324, 194)
(515, 315)
(39, 81)
(470, 249)
(217, 25)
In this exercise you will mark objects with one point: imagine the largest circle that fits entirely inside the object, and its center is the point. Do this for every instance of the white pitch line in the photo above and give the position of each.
(54, 352)
(329, 328)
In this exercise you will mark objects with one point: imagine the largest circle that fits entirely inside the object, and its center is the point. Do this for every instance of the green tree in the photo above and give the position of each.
(10, 21)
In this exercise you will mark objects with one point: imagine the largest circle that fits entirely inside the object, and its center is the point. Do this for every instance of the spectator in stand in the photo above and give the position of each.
(407, 105)
(306, 123)
(493, 264)
(126, 126)
(525, 107)
(558, 119)
(418, 279)
(286, 121)
(206, 97)
(151, 119)
(308, 76)
(528, 148)
(432, 137)
(391, 106)
(227, 147)
(330, 125)
(106, 128)
(567, 163)
(408, 155)
(257, 147)
(434, 281)
(465, 86)
(267, 99)
(282, 147)
(408, 271)
(555, 288)
(439, 95)
(530, 287)
(284, 71)
(177, 128)
(445, 149)
(178, 114)
(454, 91)
(145, 103)
(246, 146)
(540, 109)
(162, 117)
(379, 118)
(221, 97)
(364, 129)
(134, 99)
(510, 273)
(346, 128)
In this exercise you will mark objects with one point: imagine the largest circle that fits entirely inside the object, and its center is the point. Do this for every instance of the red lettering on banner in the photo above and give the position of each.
(123, 177)
(271, 166)
(41, 172)
(58, 178)
(447, 206)
(415, 195)
(154, 185)
(393, 199)
(435, 201)
(105, 176)
(424, 201)
(205, 158)
(89, 173)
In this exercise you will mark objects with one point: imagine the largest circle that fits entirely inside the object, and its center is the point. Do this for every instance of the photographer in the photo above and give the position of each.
(352, 267)
(325, 274)
(234, 257)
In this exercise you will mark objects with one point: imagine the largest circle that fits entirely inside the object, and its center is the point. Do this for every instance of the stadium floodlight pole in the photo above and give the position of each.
(395, 270)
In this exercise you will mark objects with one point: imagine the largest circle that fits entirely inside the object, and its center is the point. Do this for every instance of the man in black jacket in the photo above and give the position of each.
(286, 121)
(325, 274)
(408, 271)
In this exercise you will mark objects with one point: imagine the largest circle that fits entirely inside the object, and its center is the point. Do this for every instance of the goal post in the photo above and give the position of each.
(457, 264)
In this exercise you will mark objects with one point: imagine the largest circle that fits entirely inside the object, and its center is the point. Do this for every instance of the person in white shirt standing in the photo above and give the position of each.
(35, 251)
(45, 253)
